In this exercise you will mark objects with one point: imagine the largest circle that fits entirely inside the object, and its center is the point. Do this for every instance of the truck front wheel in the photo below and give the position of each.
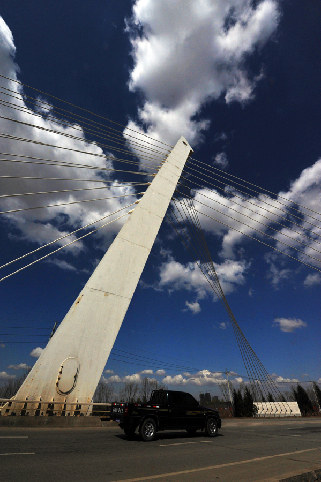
(211, 428)
(147, 430)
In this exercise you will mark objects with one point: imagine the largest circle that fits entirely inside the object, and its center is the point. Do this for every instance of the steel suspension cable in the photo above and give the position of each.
(256, 221)
(258, 241)
(81, 108)
(253, 365)
(80, 139)
(65, 123)
(258, 192)
(50, 107)
(65, 245)
(257, 230)
(5, 135)
(11, 211)
(259, 207)
(74, 190)
(255, 185)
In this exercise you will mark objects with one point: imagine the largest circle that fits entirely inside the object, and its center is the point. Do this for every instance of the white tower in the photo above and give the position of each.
(70, 367)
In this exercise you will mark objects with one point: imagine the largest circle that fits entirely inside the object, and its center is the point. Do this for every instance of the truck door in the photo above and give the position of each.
(176, 410)
(194, 416)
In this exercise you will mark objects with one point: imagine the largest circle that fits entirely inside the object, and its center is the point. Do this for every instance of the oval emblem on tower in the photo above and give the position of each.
(67, 376)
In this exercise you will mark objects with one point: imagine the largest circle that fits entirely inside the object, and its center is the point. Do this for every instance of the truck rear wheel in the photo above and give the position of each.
(147, 430)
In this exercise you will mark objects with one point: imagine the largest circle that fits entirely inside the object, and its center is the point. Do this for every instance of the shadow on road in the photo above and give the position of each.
(177, 436)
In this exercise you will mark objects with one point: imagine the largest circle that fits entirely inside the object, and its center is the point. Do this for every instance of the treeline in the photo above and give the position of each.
(130, 391)
(309, 400)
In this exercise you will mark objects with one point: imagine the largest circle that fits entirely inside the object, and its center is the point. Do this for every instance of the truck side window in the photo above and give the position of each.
(190, 401)
(177, 398)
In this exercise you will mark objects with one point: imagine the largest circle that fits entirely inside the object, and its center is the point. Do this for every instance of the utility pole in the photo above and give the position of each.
(66, 374)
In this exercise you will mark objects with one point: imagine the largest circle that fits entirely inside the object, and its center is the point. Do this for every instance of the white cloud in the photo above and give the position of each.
(147, 372)
(312, 280)
(135, 377)
(109, 371)
(193, 307)
(280, 379)
(288, 325)
(114, 378)
(223, 325)
(238, 379)
(201, 378)
(177, 276)
(160, 372)
(186, 53)
(19, 366)
(221, 160)
(36, 352)
(6, 376)
(44, 225)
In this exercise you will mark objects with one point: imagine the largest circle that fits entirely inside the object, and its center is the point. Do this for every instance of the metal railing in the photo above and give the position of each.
(35, 408)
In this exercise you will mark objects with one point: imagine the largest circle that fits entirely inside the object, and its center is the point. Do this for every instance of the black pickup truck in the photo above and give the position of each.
(166, 410)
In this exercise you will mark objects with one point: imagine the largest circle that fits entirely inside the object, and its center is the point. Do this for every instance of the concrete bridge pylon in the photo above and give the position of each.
(65, 376)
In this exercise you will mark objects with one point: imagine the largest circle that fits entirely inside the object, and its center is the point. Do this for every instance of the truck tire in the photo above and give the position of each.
(147, 430)
(211, 428)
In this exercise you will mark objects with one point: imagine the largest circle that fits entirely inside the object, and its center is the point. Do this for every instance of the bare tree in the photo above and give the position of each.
(147, 385)
(129, 391)
(104, 392)
(10, 387)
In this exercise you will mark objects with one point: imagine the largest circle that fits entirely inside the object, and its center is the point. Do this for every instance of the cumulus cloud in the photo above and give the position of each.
(160, 372)
(36, 352)
(114, 378)
(19, 366)
(288, 325)
(147, 372)
(229, 216)
(201, 378)
(280, 379)
(44, 225)
(221, 160)
(6, 376)
(193, 307)
(109, 371)
(223, 325)
(135, 377)
(186, 53)
(312, 280)
(177, 276)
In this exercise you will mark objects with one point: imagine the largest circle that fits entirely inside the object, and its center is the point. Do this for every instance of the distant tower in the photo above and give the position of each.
(70, 367)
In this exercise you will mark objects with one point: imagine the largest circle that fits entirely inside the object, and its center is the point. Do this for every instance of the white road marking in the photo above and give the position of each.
(211, 467)
(187, 443)
(178, 443)
(20, 453)
(13, 436)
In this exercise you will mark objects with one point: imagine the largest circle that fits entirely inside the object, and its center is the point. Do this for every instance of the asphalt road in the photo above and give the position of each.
(244, 450)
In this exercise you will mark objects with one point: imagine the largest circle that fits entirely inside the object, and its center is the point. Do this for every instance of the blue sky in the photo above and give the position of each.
(241, 81)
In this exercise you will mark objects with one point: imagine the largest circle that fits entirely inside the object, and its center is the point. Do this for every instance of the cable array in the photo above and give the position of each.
(193, 238)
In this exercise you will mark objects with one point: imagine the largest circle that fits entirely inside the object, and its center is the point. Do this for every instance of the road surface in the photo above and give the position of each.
(245, 450)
